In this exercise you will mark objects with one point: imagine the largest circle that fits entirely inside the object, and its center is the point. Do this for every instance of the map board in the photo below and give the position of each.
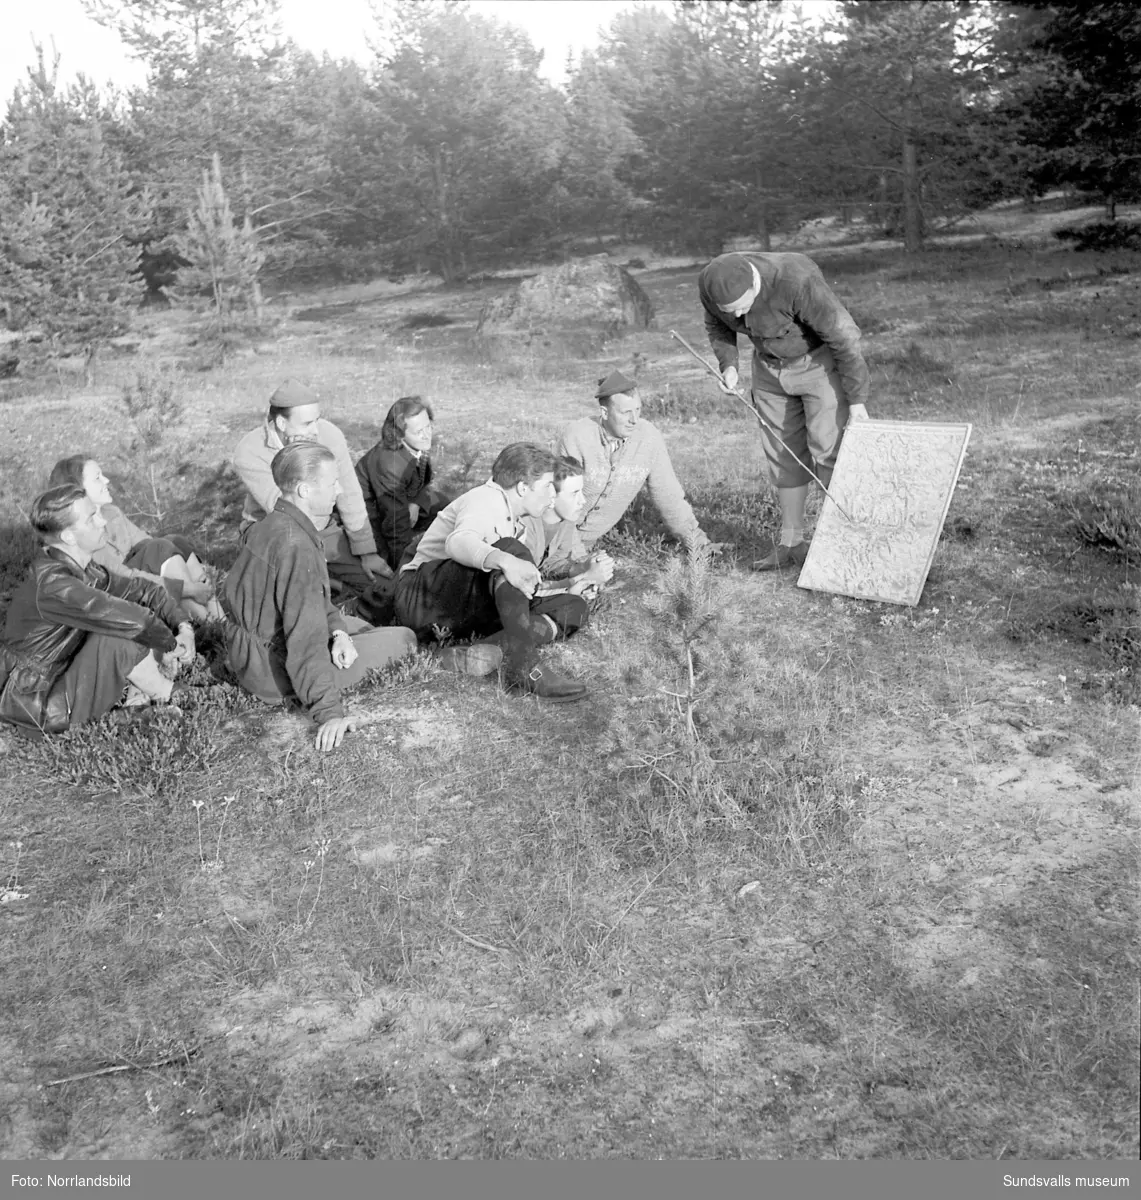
(895, 480)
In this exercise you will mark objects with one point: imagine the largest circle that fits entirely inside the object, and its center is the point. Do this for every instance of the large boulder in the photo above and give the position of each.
(586, 296)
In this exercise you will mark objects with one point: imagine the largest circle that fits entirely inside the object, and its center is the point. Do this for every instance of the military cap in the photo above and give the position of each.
(293, 394)
(614, 384)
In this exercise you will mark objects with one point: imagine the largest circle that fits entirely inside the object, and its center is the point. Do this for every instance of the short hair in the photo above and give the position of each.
(401, 412)
(522, 462)
(565, 467)
(53, 511)
(299, 462)
(69, 470)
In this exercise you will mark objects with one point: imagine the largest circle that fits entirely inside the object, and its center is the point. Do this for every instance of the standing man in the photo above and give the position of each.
(285, 638)
(620, 453)
(347, 541)
(809, 377)
(80, 639)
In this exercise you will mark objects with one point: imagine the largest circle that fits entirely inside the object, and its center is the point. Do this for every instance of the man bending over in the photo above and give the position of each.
(285, 638)
(78, 639)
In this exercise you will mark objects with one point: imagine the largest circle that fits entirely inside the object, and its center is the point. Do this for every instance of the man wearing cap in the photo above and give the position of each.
(348, 542)
(809, 377)
(284, 637)
(620, 452)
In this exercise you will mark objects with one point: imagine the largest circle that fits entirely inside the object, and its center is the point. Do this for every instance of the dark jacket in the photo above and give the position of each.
(281, 614)
(51, 614)
(391, 480)
(794, 313)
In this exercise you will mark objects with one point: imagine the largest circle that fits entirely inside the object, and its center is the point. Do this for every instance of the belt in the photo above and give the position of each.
(771, 360)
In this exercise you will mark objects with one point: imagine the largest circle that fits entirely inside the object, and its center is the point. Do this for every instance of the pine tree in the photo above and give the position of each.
(68, 217)
(225, 258)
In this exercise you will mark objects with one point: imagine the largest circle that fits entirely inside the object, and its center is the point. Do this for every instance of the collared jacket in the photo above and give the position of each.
(281, 615)
(50, 616)
(468, 528)
(253, 457)
(614, 474)
(390, 481)
(794, 313)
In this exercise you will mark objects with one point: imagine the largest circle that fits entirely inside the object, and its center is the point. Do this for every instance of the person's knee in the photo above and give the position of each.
(574, 615)
(515, 548)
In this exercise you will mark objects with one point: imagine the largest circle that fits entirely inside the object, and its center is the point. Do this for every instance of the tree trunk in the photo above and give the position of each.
(912, 211)
(763, 231)
(1111, 208)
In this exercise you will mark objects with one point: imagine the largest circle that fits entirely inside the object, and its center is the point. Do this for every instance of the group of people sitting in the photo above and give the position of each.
(343, 568)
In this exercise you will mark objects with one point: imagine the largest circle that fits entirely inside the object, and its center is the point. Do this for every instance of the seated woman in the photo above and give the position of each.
(554, 540)
(396, 478)
(131, 551)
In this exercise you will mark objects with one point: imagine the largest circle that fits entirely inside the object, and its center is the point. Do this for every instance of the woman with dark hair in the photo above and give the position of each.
(396, 477)
(132, 551)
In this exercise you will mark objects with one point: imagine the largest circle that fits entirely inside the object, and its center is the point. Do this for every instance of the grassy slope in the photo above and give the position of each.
(485, 928)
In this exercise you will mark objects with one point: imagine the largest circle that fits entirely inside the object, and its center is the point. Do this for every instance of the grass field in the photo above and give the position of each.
(881, 903)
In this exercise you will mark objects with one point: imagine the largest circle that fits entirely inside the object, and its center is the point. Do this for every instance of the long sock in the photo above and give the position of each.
(523, 633)
(793, 502)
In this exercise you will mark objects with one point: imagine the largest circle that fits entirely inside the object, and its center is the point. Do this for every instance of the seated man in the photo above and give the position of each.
(473, 576)
(348, 543)
(396, 478)
(285, 638)
(556, 545)
(79, 639)
(621, 452)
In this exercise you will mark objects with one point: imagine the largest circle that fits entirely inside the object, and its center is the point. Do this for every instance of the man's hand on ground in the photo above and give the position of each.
(857, 412)
(375, 567)
(330, 734)
(729, 379)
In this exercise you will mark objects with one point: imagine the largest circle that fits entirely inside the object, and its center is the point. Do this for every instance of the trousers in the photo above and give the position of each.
(803, 399)
(446, 596)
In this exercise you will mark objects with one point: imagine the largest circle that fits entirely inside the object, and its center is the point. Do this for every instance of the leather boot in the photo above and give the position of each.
(547, 685)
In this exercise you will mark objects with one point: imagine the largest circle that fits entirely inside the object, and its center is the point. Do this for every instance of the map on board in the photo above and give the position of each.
(895, 480)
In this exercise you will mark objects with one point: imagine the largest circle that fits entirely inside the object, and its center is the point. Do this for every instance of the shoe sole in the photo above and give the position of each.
(558, 699)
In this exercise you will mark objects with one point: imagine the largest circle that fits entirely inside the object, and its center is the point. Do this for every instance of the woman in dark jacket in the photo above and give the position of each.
(396, 477)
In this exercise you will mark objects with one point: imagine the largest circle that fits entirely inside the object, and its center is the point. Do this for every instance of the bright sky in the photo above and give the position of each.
(336, 26)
